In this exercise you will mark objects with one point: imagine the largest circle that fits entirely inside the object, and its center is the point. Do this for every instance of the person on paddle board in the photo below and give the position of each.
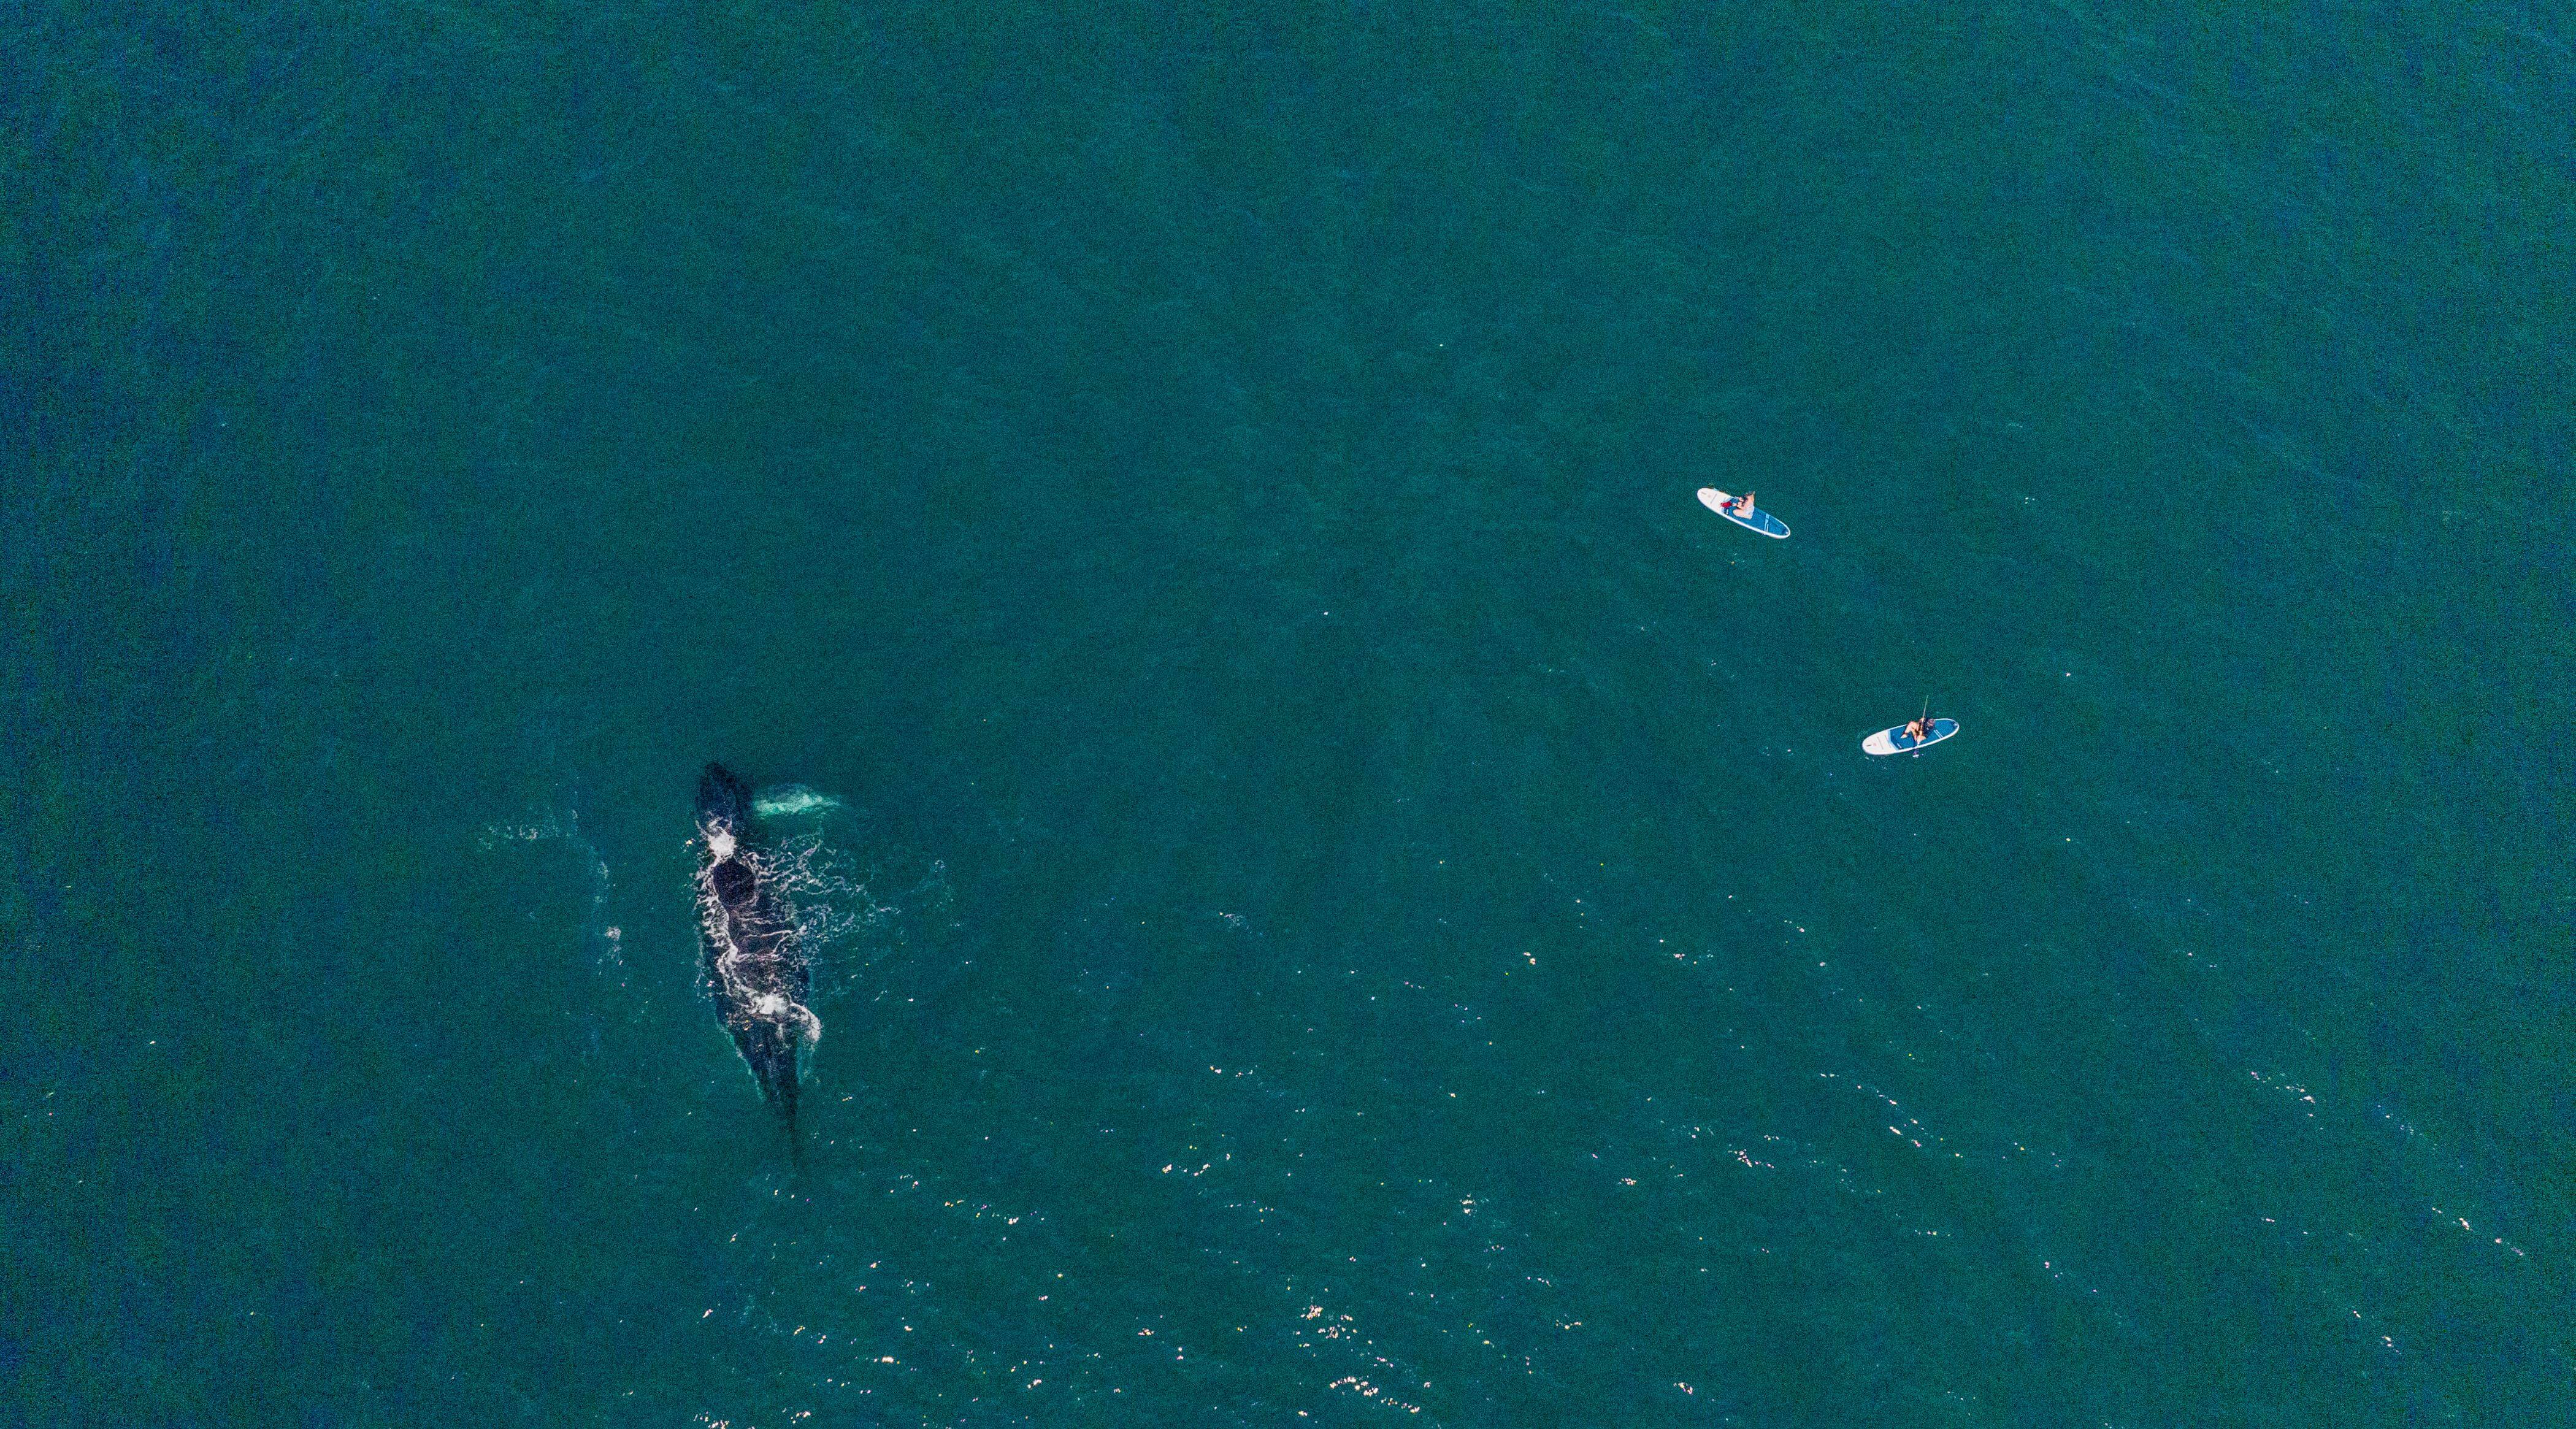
(1918, 730)
(1744, 504)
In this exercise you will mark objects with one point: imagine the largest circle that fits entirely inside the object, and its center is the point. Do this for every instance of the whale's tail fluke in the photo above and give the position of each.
(770, 1046)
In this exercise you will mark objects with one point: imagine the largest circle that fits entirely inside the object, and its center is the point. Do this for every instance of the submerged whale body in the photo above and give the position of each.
(755, 968)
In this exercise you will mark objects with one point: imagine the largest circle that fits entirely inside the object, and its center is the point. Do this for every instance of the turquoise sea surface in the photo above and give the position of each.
(1340, 894)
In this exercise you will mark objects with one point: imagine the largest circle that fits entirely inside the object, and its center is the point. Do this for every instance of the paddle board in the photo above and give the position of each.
(1893, 741)
(1757, 519)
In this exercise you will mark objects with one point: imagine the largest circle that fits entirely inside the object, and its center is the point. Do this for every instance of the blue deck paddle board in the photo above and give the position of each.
(1894, 741)
(1755, 520)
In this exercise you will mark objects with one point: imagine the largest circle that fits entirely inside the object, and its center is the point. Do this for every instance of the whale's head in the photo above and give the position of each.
(724, 805)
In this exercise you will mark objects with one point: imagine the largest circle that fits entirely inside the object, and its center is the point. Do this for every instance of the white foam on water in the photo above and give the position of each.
(848, 908)
(852, 906)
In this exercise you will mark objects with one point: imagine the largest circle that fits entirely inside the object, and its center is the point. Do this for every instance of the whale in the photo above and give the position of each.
(754, 969)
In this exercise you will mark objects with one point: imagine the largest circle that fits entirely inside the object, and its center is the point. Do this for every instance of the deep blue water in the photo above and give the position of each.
(1352, 898)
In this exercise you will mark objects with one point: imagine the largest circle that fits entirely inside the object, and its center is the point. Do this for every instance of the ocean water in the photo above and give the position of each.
(1342, 895)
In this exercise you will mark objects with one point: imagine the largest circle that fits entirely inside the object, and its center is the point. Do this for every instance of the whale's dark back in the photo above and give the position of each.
(751, 947)
(723, 799)
(735, 884)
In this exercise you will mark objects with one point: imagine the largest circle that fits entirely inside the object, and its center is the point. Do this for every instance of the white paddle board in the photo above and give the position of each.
(1755, 520)
(1894, 741)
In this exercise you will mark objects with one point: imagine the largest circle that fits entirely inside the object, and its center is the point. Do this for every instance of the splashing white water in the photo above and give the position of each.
(852, 906)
